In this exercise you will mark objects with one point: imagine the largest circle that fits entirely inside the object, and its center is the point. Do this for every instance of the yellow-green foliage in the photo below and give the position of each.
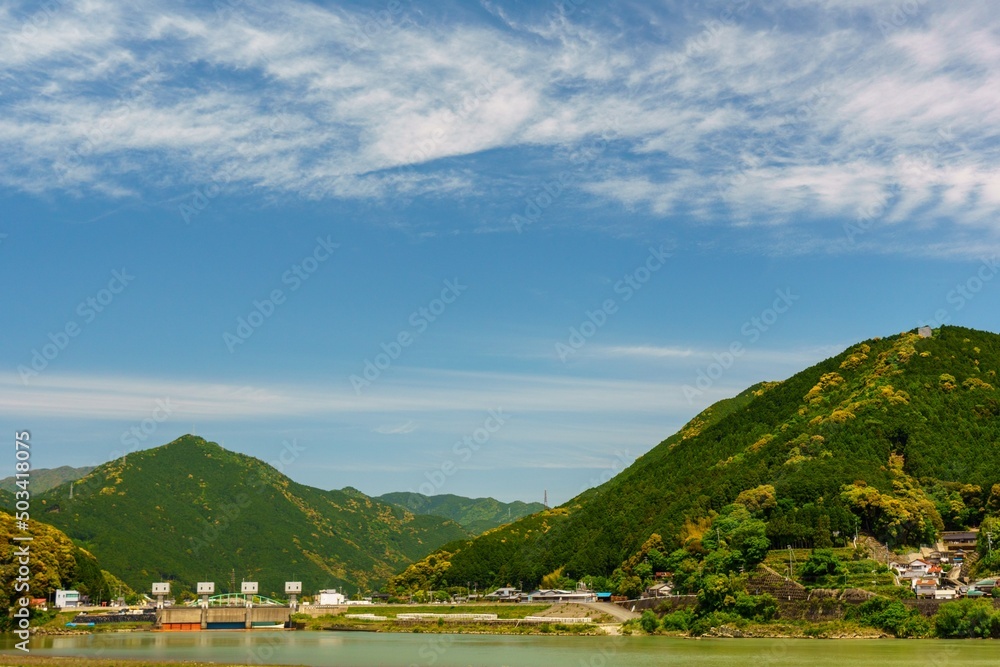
(906, 515)
(893, 396)
(856, 359)
(53, 563)
(761, 442)
(758, 499)
(976, 383)
(552, 579)
(826, 382)
(425, 574)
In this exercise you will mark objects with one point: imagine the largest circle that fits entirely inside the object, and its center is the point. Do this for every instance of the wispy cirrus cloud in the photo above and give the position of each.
(408, 426)
(416, 391)
(788, 116)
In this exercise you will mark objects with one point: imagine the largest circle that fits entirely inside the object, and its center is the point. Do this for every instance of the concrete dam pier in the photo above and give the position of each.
(222, 618)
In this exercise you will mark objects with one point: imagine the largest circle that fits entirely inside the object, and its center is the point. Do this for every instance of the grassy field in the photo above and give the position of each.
(503, 611)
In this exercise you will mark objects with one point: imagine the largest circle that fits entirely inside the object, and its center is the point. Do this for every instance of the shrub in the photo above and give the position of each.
(756, 607)
(890, 616)
(649, 622)
(821, 563)
(678, 620)
(967, 619)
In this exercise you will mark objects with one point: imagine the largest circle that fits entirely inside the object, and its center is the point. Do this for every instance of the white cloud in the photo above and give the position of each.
(733, 119)
(397, 429)
(416, 391)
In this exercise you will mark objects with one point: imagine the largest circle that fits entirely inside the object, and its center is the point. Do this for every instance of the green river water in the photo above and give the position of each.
(406, 650)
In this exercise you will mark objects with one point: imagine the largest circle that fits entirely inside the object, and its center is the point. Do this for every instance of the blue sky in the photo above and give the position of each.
(217, 218)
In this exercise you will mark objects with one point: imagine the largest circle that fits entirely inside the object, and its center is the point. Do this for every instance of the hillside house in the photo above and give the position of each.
(505, 594)
(660, 590)
(925, 588)
(959, 540)
(986, 586)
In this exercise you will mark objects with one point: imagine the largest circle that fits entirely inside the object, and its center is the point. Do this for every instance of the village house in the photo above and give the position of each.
(558, 595)
(330, 598)
(925, 588)
(660, 590)
(985, 585)
(959, 541)
(505, 594)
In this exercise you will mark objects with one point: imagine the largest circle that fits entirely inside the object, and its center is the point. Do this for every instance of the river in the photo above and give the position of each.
(417, 650)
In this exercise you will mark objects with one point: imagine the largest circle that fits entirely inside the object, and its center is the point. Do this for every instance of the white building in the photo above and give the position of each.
(330, 598)
(558, 595)
(67, 599)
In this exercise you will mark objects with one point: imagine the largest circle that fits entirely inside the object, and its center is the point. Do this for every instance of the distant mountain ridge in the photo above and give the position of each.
(43, 479)
(192, 511)
(476, 515)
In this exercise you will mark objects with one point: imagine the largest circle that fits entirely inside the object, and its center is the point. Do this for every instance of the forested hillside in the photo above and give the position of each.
(55, 562)
(192, 511)
(897, 436)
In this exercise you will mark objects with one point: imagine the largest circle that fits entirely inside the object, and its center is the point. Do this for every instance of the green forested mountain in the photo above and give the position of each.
(55, 562)
(476, 515)
(192, 511)
(43, 479)
(897, 436)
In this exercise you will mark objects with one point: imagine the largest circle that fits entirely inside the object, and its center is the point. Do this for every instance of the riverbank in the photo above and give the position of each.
(58, 661)
(523, 620)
